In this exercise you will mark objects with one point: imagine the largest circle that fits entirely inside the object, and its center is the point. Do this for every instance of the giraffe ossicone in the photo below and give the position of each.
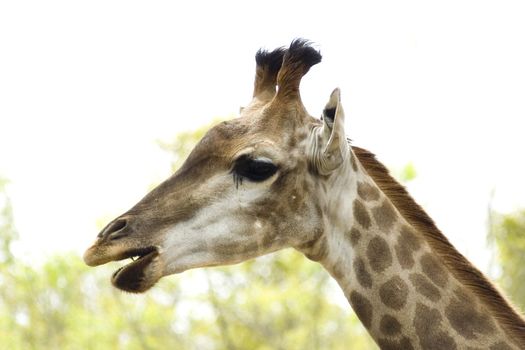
(276, 177)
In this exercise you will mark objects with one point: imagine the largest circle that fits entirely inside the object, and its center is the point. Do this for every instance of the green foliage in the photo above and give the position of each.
(282, 301)
(405, 174)
(64, 305)
(408, 173)
(508, 235)
(181, 147)
(8, 232)
(275, 302)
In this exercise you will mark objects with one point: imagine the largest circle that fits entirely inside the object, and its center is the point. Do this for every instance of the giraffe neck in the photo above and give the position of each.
(398, 287)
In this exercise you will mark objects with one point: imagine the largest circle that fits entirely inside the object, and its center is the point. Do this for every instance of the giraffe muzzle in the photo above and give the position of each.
(144, 270)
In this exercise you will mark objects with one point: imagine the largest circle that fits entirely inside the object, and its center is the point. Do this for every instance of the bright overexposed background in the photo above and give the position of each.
(88, 88)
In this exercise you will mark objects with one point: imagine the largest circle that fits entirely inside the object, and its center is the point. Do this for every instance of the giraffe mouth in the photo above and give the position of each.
(141, 274)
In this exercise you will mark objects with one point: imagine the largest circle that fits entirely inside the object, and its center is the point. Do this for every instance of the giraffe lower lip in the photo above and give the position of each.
(130, 277)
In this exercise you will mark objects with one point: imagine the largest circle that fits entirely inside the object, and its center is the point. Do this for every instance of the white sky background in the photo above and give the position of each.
(86, 88)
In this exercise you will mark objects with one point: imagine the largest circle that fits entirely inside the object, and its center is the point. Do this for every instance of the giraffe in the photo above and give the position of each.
(276, 177)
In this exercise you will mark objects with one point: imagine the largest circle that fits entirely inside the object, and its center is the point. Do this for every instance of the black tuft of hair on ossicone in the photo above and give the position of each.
(302, 50)
(270, 59)
(297, 61)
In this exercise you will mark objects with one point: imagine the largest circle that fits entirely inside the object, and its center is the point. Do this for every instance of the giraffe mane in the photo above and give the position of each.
(512, 322)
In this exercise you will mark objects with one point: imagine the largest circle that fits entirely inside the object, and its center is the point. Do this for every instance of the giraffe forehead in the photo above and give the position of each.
(249, 134)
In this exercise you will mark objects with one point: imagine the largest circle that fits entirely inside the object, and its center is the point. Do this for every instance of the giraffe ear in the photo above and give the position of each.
(332, 147)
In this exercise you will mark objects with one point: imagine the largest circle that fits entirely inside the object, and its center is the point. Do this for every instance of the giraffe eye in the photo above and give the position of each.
(255, 170)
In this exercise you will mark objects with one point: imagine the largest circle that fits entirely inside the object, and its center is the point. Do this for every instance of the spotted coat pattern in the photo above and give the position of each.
(399, 289)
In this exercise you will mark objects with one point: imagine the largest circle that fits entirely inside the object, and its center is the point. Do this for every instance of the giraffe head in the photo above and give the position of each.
(251, 186)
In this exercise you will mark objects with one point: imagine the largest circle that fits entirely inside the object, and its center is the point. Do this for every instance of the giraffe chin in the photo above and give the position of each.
(139, 275)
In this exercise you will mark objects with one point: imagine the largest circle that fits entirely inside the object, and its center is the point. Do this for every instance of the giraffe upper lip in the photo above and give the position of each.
(138, 252)
(96, 255)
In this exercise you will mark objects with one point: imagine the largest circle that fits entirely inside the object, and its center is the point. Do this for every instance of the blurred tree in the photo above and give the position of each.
(507, 234)
(180, 147)
(405, 174)
(61, 304)
(8, 232)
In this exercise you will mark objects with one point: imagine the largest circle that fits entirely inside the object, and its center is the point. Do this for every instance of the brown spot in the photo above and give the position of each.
(361, 214)
(367, 191)
(353, 161)
(394, 293)
(378, 254)
(389, 325)
(427, 323)
(424, 286)
(362, 308)
(466, 319)
(500, 346)
(434, 270)
(338, 271)
(361, 273)
(385, 215)
(407, 243)
(354, 235)
(390, 344)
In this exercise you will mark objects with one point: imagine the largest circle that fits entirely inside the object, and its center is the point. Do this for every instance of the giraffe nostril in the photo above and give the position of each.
(115, 229)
